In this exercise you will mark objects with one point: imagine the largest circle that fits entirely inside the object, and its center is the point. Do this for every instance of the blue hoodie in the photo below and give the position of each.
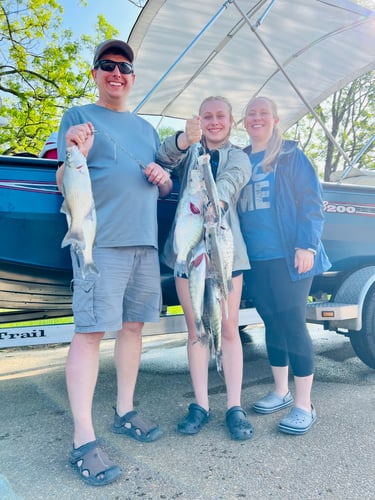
(299, 208)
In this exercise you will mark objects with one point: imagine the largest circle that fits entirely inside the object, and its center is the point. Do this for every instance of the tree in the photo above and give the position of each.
(349, 115)
(38, 80)
(165, 132)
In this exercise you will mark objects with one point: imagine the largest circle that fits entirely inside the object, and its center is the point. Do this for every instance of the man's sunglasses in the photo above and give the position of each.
(108, 65)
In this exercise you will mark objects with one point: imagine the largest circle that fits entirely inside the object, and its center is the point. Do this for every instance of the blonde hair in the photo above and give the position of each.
(216, 98)
(276, 140)
(229, 106)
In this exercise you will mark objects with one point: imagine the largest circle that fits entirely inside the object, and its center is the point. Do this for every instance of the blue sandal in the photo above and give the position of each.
(298, 421)
(136, 427)
(239, 427)
(195, 419)
(93, 465)
(272, 402)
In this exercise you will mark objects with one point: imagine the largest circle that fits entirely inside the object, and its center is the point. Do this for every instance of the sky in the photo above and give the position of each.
(121, 14)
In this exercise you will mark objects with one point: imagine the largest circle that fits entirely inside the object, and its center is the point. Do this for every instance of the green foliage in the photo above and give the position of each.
(39, 79)
(349, 115)
(165, 132)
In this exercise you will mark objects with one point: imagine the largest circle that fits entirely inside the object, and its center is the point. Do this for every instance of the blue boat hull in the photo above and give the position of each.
(35, 272)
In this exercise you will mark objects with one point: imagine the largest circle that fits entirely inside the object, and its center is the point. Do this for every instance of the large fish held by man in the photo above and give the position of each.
(79, 208)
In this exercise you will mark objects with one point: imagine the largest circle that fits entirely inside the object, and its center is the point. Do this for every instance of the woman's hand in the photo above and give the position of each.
(303, 260)
(192, 134)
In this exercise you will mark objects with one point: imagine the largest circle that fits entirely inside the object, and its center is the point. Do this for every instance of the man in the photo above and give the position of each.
(126, 184)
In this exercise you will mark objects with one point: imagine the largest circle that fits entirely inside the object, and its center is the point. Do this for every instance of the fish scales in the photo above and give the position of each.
(79, 208)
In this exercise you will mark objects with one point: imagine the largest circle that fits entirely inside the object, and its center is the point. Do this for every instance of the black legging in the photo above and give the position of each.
(281, 303)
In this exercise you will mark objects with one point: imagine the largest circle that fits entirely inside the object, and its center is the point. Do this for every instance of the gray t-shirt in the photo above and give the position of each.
(125, 202)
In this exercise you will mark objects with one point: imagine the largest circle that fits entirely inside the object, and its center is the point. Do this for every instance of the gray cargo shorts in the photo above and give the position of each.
(127, 289)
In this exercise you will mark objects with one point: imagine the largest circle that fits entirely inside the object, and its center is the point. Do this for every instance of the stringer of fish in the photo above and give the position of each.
(203, 243)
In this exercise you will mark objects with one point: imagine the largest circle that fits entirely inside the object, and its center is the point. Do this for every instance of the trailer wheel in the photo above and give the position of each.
(363, 342)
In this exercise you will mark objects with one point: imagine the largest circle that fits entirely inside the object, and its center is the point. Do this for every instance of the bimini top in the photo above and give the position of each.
(188, 50)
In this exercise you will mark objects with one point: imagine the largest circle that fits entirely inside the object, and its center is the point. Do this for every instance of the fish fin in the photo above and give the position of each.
(204, 339)
(180, 268)
(90, 268)
(198, 327)
(76, 238)
(63, 208)
(219, 362)
(196, 262)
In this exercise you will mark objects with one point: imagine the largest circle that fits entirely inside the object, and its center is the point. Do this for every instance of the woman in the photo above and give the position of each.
(281, 216)
(231, 171)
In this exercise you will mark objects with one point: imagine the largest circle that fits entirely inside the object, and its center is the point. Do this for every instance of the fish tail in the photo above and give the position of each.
(204, 339)
(74, 237)
(219, 362)
(198, 327)
(90, 268)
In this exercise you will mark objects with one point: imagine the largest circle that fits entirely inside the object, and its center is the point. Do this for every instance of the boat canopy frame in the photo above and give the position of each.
(263, 10)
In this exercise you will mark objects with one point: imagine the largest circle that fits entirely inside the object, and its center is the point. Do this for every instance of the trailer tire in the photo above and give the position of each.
(363, 342)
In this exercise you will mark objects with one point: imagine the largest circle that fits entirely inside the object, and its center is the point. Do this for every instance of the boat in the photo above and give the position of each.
(300, 50)
(35, 272)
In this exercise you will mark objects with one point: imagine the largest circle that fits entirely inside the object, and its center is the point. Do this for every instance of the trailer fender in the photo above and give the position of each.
(353, 291)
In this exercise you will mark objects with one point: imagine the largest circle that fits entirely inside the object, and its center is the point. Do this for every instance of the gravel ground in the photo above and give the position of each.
(333, 461)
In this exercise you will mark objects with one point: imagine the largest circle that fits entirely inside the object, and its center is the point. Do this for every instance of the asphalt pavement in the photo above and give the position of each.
(334, 460)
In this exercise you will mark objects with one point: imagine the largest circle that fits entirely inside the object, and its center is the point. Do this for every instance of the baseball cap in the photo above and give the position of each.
(113, 44)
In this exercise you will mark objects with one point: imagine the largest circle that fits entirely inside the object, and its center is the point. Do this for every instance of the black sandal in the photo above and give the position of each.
(239, 427)
(93, 465)
(195, 419)
(136, 427)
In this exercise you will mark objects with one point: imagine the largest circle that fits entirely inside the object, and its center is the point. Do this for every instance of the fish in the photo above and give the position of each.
(226, 244)
(214, 211)
(212, 318)
(189, 219)
(217, 236)
(79, 208)
(197, 277)
(216, 263)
